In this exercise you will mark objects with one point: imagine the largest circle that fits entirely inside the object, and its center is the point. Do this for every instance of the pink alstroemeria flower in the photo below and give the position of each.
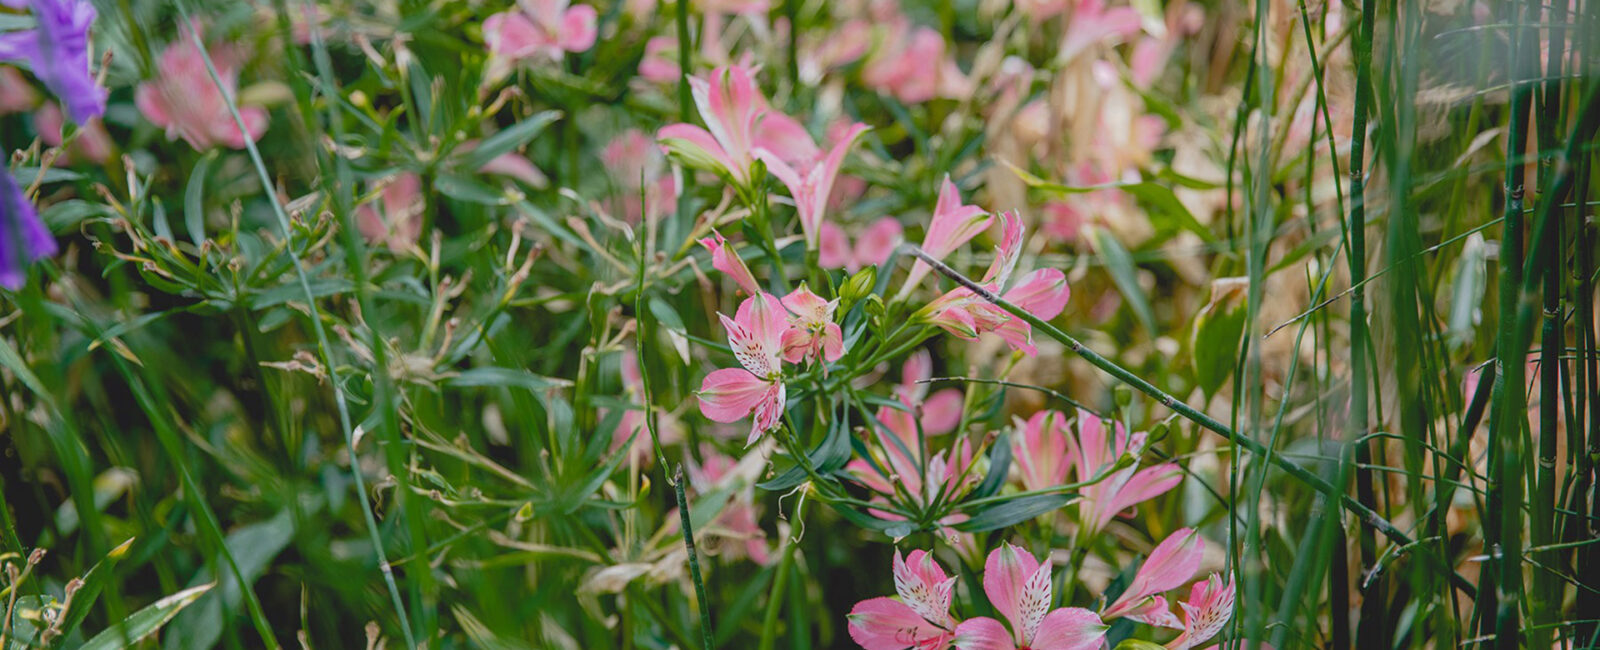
(1172, 563)
(396, 219)
(1019, 588)
(725, 259)
(16, 94)
(738, 121)
(873, 246)
(660, 62)
(1043, 293)
(739, 520)
(911, 64)
(183, 100)
(920, 619)
(1208, 609)
(1041, 451)
(952, 225)
(812, 188)
(812, 333)
(1093, 22)
(93, 144)
(1093, 452)
(941, 411)
(538, 29)
(756, 390)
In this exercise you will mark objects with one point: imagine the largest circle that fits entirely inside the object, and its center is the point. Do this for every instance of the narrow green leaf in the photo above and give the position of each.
(194, 209)
(1126, 276)
(146, 621)
(93, 582)
(507, 140)
(1014, 511)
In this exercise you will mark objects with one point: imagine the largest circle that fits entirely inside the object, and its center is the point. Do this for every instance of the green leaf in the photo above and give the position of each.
(1126, 276)
(1013, 511)
(507, 140)
(1166, 211)
(146, 621)
(1136, 644)
(60, 217)
(1214, 341)
(194, 209)
(829, 455)
(93, 583)
(999, 464)
(253, 547)
(505, 377)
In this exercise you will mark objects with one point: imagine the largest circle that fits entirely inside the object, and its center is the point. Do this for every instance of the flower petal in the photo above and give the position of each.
(888, 624)
(1070, 628)
(731, 394)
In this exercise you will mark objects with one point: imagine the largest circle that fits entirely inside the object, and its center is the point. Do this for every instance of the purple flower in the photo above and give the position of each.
(58, 51)
(23, 237)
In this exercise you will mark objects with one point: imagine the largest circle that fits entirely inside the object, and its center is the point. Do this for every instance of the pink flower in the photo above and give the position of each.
(1041, 9)
(1041, 451)
(639, 168)
(1043, 293)
(811, 191)
(945, 473)
(822, 51)
(725, 259)
(739, 7)
(92, 144)
(1093, 453)
(731, 394)
(16, 94)
(911, 64)
(952, 225)
(1019, 588)
(1172, 563)
(660, 62)
(812, 333)
(399, 223)
(920, 619)
(510, 163)
(1093, 22)
(941, 412)
(183, 100)
(633, 420)
(732, 107)
(739, 519)
(1208, 609)
(872, 247)
(539, 29)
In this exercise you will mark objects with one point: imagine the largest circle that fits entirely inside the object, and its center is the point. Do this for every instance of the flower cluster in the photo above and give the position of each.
(1019, 588)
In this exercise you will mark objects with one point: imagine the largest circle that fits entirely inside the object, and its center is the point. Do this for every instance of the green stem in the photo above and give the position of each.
(780, 581)
(694, 559)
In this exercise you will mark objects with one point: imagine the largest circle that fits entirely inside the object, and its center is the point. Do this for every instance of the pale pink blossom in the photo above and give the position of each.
(1041, 451)
(1093, 452)
(920, 619)
(537, 30)
(872, 247)
(725, 259)
(1092, 22)
(1173, 562)
(965, 314)
(941, 411)
(396, 219)
(16, 94)
(756, 389)
(633, 425)
(660, 62)
(811, 186)
(739, 519)
(912, 65)
(812, 333)
(952, 225)
(183, 100)
(92, 144)
(1019, 588)
(735, 114)
(1205, 613)
(736, 7)
(822, 51)
(511, 164)
(636, 163)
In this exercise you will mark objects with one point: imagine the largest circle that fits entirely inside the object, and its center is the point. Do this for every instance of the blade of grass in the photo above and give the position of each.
(323, 346)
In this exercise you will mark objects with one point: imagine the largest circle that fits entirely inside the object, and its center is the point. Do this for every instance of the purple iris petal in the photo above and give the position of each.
(58, 52)
(23, 237)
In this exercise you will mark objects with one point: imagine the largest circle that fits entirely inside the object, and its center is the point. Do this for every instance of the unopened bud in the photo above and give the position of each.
(859, 285)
